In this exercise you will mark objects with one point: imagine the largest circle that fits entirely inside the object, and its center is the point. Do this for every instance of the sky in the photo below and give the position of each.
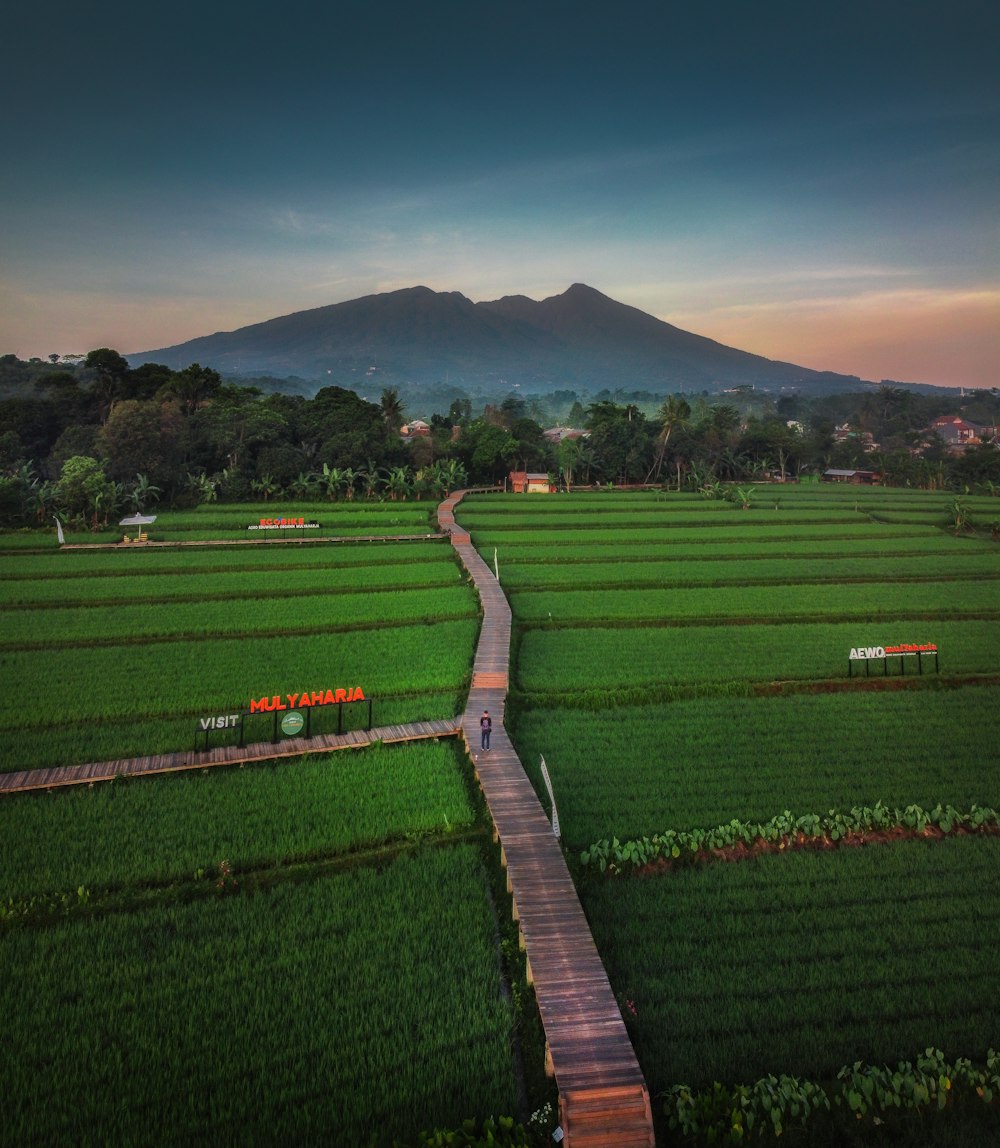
(817, 183)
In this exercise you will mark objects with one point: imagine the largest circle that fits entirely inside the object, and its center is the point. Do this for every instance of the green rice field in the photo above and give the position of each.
(352, 1008)
(118, 653)
(681, 664)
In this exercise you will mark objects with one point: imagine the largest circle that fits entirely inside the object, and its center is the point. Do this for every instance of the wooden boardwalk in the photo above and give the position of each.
(222, 755)
(603, 1099)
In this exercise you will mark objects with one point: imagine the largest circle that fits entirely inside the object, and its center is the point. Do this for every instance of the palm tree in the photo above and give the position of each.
(675, 412)
(392, 410)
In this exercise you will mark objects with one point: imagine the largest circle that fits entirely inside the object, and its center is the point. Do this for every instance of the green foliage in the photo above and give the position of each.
(772, 1105)
(489, 1133)
(785, 828)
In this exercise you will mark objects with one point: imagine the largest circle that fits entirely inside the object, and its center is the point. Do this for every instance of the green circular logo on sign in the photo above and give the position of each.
(292, 723)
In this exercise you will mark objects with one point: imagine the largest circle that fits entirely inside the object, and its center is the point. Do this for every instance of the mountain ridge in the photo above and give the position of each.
(580, 339)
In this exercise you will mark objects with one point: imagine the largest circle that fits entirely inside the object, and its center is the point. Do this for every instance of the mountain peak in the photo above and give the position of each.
(581, 339)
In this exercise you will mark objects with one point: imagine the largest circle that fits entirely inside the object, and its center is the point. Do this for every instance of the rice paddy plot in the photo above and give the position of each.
(161, 829)
(590, 659)
(709, 515)
(760, 530)
(363, 1004)
(867, 601)
(65, 705)
(196, 586)
(306, 613)
(802, 963)
(721, 571)
(920, 542)
(633, 771)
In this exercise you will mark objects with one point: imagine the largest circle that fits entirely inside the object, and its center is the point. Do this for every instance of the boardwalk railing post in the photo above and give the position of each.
(552, 798)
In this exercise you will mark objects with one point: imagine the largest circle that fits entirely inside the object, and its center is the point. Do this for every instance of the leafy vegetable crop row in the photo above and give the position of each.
(624, 856)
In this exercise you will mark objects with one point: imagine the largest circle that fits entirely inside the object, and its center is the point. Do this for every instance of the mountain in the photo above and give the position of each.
(580, 340)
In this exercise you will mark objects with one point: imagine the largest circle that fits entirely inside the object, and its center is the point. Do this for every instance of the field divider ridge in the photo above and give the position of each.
(603, 1097)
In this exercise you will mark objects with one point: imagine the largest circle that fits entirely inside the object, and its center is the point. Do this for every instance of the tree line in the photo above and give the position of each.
(93, 438)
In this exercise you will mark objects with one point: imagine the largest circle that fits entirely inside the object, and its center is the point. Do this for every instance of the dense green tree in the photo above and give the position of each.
(143, 437)
(84, 491)
(486, 451)
(107, 371)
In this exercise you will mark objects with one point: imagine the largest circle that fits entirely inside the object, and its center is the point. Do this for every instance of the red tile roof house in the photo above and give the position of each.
(525, 482)
(957, 432)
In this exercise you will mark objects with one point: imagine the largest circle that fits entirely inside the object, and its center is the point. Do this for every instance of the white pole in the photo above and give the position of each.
(552, 798)
(496, 564)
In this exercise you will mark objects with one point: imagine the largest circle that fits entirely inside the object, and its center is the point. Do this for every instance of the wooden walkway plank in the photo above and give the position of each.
(89, 772)
(603, 1099)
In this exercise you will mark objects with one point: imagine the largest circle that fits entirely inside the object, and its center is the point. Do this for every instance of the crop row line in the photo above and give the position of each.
(214, 635)
(655, 621)
(230, 596)
(609, 699)
(709, 583)
(628, 558)
(209, 881)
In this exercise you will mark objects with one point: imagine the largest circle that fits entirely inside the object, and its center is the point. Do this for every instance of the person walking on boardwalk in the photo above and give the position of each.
(485, 728)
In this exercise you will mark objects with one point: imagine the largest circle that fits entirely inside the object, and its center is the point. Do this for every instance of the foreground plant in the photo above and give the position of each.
(721, 1115)
(785, 830)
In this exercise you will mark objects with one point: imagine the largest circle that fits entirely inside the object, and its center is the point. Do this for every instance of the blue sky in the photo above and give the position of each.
(815, 183)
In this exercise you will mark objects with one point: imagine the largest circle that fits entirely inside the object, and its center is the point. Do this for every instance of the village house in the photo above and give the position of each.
(858, 477)
(958, 433)
(845, 433)
(526, 482)
(561, 434)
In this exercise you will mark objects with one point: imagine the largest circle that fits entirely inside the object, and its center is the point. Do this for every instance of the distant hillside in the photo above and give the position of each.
(580, 339)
